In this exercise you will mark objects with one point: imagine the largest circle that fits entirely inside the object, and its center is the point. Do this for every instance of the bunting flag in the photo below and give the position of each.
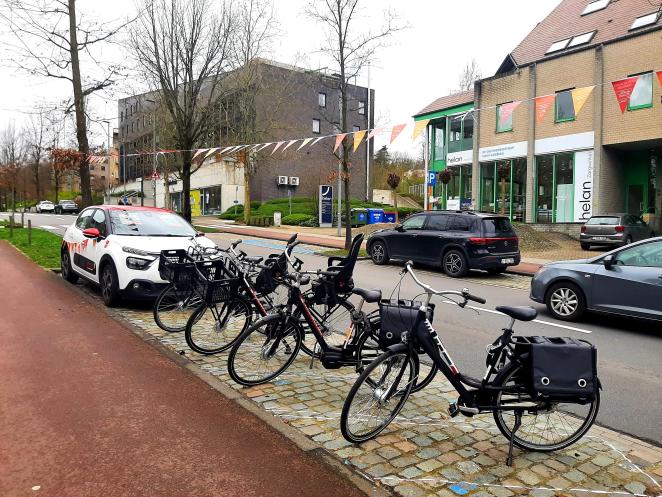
(305, 142)
(198, 152)
(623, 89)
(543, 104)
(580, 96)
(375, 131)
(264, 146)
(419, 126)
(506, 112)
(276, 147)
(659, 77)
(317, 140)
(211, 152)
(358, 137)
(397, 129)
(289, 144)
(226, 149)
(339, 139)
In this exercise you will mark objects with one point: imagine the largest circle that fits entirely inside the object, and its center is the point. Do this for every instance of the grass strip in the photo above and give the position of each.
(45, 247)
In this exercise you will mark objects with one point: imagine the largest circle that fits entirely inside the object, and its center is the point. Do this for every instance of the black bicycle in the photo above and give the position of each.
(543, 392)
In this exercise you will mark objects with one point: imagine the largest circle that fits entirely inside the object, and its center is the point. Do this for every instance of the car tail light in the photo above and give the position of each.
(487, 241)
(583, 229)
(619, 229)
(480, 241)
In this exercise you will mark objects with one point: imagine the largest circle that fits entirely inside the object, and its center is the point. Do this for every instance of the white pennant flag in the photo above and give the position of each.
(264, 146)
(317, 140)
(198, 152)
(290, 143)
(211, 151)
(304, 143)
(276, 147)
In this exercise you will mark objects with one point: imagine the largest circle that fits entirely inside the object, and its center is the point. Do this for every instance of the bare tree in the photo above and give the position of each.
(36, 138)
(470, 74)
(50, 42)
(11, 158)
(184, 48)
(350, 47)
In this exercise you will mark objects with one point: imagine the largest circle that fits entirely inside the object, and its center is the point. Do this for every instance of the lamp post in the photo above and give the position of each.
(106, 188)
(153, 149)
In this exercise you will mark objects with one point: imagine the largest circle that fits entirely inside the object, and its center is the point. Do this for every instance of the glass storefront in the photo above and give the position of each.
(439, 151)
(456, 194)
(503, 188)
(555, 188)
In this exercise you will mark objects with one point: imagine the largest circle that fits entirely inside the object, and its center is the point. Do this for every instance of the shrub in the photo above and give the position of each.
(231, 215)
(297, 219)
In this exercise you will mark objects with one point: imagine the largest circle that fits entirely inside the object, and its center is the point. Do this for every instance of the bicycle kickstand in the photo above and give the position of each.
(518, 423)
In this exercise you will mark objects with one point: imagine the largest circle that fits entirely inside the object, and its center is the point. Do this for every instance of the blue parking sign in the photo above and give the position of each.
(432, 178)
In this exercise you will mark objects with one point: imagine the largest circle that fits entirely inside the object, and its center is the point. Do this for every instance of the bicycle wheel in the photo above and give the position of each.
(214, 328)
(377, 396)
(264, 351)
(173, 308)
(546, 426)
(335, 322)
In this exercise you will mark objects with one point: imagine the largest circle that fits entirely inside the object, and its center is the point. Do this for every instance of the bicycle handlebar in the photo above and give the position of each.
(428, 289)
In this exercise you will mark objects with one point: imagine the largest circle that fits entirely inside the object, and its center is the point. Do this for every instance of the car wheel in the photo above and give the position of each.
(455, 264)
(585, 246)
(565, 301)
(378, 253)
(65, 267)
(109, 285)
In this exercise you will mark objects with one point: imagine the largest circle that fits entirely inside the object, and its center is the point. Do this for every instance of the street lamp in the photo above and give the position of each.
(154, 147)
(108, 153)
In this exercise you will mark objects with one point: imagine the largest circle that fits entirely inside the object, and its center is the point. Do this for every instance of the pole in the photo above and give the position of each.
(339, 200)
(367, 146)
(29, 231)
(154, 158)
(425, 156)
(109, 172)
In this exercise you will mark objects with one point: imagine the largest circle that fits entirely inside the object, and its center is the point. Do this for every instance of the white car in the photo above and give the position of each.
(118, 248)
(45, 206)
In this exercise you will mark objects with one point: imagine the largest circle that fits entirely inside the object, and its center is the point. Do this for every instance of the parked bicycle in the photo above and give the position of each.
(543, 392)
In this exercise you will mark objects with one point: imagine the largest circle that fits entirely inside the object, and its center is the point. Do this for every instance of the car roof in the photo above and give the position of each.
(479, 214)
(111, 207)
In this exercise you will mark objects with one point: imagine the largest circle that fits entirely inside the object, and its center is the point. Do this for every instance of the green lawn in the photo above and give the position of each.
(204, 229)
(45, 247)
(342, 253)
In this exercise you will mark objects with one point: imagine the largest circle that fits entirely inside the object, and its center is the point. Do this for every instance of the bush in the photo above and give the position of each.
(297, 219)
(230, 215)
(255, 204)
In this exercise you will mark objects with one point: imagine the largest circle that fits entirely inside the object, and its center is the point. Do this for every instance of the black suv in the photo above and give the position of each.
(456, 240)
(66, 207)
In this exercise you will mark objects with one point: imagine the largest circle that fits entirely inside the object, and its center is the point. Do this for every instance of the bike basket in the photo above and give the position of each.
(562, 368)
(177, 267)
(397, 316)
(214, 284)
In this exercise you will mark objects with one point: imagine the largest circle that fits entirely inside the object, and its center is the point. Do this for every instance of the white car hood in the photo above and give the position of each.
(156, 244)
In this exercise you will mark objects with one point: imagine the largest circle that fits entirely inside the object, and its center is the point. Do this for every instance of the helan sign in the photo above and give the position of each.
(583, 207)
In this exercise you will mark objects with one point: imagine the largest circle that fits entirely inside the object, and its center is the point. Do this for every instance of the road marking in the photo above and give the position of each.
(539, 321)
(65, 225)
(278, 246)
(47, 227)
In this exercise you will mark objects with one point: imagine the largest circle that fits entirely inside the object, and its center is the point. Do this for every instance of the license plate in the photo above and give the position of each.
(599, 238)
(510, 260)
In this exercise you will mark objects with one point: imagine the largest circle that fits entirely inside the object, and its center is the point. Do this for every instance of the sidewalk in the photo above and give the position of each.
(318, 237)
(90, 409)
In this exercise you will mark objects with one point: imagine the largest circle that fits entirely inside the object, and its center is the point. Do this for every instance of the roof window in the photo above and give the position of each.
(581, 39)
(646, 20)
(558, 45)
(595, 6)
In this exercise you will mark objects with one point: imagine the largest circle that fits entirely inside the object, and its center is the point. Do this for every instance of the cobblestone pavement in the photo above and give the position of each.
(424, 452)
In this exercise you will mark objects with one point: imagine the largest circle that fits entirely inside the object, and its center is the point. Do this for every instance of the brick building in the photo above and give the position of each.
(566, 167)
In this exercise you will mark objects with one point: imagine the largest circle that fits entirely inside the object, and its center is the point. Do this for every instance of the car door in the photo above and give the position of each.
(633, 284)
(93, 248)
(403, 242)
(433, 238)
(76, 243)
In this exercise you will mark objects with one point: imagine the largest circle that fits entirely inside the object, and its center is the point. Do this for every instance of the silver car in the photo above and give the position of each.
(626, 281)
(614, 230)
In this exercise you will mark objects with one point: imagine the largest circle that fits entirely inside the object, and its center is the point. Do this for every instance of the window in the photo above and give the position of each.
(361, 107)
(645, 255)
(565, 107)
(496, 226)
(83, 221)
(646, 20)
(581, 39)
(103, 168)
(455, 134)
(603, 221)
(642, 94)
(414, 223)
(555, 188)
(558, 45)
(122, 116)
(316, 126)
(595, 6)
(505, 121)
(460, 223)
(99, 221)
(439, 141)
(438, 222)
(356, 128)
(321, 99)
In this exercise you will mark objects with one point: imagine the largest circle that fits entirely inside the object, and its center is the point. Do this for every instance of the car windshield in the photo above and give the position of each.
(495, 225)
(148, 223)
(602, 221)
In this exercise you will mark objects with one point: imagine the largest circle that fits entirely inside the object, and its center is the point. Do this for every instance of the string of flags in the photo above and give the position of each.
(622, 88)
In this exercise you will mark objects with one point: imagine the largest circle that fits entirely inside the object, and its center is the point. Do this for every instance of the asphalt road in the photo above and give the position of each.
(55, 223)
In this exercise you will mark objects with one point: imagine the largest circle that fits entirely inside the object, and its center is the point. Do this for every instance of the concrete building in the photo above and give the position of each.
(565, 167)
(105, 175)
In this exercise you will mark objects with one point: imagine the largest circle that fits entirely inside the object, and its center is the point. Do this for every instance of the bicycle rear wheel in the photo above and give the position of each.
(264, 351)
(335, 322)
(214, 328)
(173, 308)
(546, 426)
(377, 396)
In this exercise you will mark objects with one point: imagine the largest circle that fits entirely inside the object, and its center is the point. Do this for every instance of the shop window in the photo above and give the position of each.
(439, 141)
(316, 126)
(555, 188)
(455, 135)
(321, 99)
(468, 132)
(504, 117)
(565, 107)
(487, 187)
(518, 190)
(642, 94)
(545, 188)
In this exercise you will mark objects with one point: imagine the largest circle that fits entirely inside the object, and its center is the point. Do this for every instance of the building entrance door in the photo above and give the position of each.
(635, 202)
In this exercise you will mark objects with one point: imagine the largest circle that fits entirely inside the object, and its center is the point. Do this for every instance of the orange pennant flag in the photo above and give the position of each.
(543, 104)
(397, 129)
(580, 96)
(623, 89)
(339, 139)
(418, 128)
(358, 137)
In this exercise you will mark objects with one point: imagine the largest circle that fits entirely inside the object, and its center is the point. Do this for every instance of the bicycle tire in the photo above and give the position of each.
(250, 348)
(332, 338)
(374, 391)
(182, 303)
(208, 335)
(570, 419)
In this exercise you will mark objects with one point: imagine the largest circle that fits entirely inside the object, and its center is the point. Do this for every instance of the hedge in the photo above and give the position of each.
(297, 219)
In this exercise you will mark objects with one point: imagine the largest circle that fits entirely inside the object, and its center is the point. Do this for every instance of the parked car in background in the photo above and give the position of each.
(118, 248)
(66, 207)
(614, 230)
(45, 206)
(625, 281)
(456, 240)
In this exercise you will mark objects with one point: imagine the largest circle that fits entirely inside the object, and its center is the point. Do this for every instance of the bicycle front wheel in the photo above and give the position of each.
(264, 351)
(546, 426)
(214, 328)
(173, 308)
(377, 396)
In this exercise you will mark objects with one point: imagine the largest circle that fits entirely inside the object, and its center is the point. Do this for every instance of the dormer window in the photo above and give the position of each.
(646, 20)
(595, 6)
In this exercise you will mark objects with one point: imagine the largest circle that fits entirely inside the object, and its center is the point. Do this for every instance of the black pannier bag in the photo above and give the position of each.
(397, 316)
(563, 368)
(271, 275)
(324, 292)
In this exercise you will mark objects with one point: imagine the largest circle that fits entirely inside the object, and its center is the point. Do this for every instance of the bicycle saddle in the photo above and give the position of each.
(368, 295)
(256, 259)
(523, 313)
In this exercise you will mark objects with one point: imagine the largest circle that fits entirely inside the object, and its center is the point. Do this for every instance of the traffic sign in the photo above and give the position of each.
(155, 175)
(432, 178)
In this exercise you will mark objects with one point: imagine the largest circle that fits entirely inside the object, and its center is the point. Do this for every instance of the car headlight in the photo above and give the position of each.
(138, 263)
(135, 251)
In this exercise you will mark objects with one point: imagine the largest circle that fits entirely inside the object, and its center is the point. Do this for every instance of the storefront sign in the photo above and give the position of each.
(565, 143)
(507, 151)
(458, 158)
(453, 204)
(326, 206)
(583, 185)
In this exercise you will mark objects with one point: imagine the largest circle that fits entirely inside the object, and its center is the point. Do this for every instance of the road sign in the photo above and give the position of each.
(155, 175)
(432, 178)
(326, 206)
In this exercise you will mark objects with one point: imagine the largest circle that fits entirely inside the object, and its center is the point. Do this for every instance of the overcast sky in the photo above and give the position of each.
(422, 62)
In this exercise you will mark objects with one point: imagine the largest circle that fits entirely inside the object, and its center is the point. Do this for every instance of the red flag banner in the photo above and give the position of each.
(623, 89)
(339, 139)
(659, 77)
(397, 129)
(506, 111)
(543, 104)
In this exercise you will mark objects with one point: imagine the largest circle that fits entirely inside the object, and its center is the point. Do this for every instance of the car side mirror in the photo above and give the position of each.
(400, 228)
(91, 233)
(608, 262)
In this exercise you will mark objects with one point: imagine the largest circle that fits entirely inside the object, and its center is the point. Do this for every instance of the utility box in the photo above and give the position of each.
(359, 217)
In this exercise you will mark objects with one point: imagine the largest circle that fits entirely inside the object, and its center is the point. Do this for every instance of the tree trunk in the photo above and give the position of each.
(56, 181)
(79, 106)
(37, 184)
(247, 193)
(186, 183)
(395, 204)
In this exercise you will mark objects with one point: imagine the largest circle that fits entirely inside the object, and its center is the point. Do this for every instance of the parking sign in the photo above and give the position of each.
(432, 178)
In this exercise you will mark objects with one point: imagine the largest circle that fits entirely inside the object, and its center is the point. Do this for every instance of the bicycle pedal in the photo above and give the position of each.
(453, 409)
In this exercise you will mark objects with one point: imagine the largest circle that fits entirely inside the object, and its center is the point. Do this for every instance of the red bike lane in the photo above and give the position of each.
(89, 409)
